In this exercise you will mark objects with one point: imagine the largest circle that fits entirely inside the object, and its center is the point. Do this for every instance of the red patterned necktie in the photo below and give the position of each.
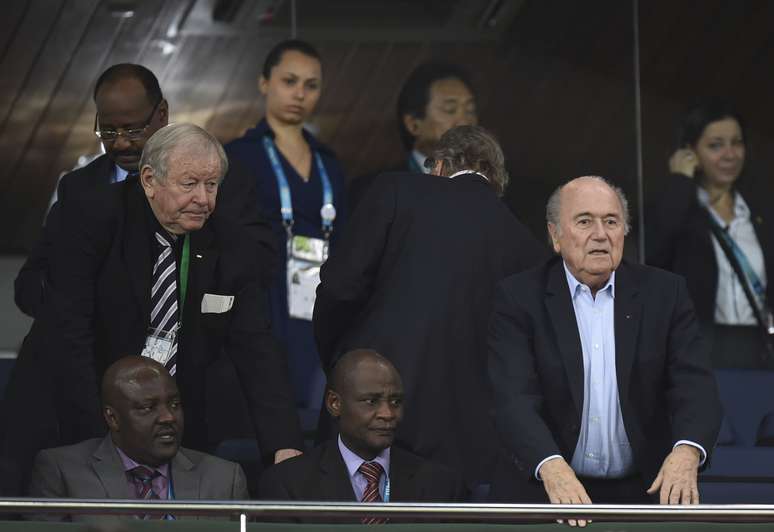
(372, 471)
(143, 483)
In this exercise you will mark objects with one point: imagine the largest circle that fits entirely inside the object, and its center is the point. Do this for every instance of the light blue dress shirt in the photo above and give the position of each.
(356, 478)
(603, 449)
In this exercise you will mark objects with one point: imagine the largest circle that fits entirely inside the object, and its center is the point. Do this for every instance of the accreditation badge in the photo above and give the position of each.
(305, 256)
(158, 345)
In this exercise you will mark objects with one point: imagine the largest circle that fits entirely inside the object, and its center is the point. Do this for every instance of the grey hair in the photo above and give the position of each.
(164, 141)
(555, 203)
(472, 148)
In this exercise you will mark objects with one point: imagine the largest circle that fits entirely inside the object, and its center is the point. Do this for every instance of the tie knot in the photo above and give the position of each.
(163, 241)
(144, 474)
(372, 471)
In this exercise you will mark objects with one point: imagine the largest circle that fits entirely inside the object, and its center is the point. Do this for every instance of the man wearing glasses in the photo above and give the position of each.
(130, 108)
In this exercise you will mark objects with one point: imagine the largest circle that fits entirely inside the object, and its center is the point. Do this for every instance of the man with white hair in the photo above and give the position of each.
(145, 266)
(603, 390)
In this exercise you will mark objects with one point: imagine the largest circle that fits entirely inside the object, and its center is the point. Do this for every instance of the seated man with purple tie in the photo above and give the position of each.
(365, 396)
(141, 456)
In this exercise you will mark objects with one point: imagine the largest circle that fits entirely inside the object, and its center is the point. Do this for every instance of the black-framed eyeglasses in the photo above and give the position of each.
(135, 133)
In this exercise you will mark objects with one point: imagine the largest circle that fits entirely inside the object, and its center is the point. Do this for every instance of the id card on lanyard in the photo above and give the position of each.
(305, 255)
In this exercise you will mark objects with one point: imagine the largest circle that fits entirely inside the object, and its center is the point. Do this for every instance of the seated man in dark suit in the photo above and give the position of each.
(141, 456)
(603, 386)
(366, 397)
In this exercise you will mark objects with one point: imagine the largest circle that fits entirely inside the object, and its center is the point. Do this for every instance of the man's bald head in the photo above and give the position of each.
(352, 362)
(127, 370)
(142, 408)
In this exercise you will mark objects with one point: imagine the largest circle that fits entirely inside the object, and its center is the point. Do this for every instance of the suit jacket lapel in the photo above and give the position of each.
(401, 477)
(562, 315)
(204, 259)
(335, 481)
(108, 467)
(185, 480)
(628, 308)
(137, 250)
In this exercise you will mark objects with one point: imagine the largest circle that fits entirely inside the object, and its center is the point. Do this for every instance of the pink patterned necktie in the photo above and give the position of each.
(372, 471)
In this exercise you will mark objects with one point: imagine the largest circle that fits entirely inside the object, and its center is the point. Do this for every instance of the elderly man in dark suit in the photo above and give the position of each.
(130, 108)
(141, 456)
(366, 398)
(146, 266)
(413, 278)
(602, 385)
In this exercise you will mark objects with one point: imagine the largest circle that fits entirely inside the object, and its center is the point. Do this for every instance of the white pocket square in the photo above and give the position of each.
(216, 304)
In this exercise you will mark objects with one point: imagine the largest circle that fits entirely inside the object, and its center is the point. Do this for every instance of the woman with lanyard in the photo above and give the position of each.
(708, 226)
(301, 187)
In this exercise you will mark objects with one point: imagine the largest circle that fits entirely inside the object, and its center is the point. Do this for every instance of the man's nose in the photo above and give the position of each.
(598, 230)
(200, 194)
(121, 143)
(166, 415)
(386, 410)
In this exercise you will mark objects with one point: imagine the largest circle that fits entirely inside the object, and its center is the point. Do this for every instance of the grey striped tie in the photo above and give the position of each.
(164, 313)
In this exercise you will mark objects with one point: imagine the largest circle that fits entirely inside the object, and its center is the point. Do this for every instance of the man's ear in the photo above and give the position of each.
(411, 123)
(333, 403)
(164, 112)
(147, 181)
(553, 233)
(110, 418)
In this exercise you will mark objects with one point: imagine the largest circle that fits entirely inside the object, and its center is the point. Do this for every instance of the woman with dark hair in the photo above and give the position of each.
(708, 226)
(301, 189)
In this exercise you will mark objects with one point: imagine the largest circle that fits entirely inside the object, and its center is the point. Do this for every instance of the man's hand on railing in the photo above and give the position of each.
(676, 481)
(284, 454)
(563, 487)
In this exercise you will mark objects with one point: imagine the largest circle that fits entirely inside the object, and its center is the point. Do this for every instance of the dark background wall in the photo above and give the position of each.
(555, 79)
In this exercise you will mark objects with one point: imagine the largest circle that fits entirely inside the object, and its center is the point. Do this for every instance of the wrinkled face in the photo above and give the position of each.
(146, 421)
(185, 198)
(721, 151)
(451, 104)
(369, 408)
(122, 106)
(293, 88)
(591, 231)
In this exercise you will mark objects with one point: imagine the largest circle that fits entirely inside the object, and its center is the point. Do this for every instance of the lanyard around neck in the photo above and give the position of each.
(185, 261)
(327, 212)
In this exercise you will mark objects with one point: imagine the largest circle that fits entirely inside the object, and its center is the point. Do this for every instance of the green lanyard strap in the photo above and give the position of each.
(185, 260)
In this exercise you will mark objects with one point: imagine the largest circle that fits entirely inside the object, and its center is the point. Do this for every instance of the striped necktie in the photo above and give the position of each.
(164, 314)
(143, 482)
(372, 471)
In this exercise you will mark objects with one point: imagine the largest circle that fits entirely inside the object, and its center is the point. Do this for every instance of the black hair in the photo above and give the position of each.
(415, 93)
(131, 71)
(275, 54)
(702, 114)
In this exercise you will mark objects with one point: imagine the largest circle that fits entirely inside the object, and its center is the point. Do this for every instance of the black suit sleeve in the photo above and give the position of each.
(348, 275)
(262, 367)
(238, 201)
(33, 278)
(271, 485)
(692, 395)
(518, 390)
(78, 252)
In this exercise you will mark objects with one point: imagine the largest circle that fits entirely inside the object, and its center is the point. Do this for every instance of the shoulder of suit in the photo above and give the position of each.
(420, 465)
(85, 175)
(205, 460)
(84, 448)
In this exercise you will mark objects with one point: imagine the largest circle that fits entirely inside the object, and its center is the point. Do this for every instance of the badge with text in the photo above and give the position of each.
(159, 344)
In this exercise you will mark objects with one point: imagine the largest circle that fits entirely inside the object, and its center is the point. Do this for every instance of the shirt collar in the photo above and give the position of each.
(575, 285)
(353, 461)
(420, 159)
(130, 464)
(741, 209)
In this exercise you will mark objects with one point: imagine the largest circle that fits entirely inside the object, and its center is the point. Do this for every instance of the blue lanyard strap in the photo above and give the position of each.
(327, 213)
(744, 263)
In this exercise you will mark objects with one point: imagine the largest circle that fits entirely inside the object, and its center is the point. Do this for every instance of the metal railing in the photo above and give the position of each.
(404, 511)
